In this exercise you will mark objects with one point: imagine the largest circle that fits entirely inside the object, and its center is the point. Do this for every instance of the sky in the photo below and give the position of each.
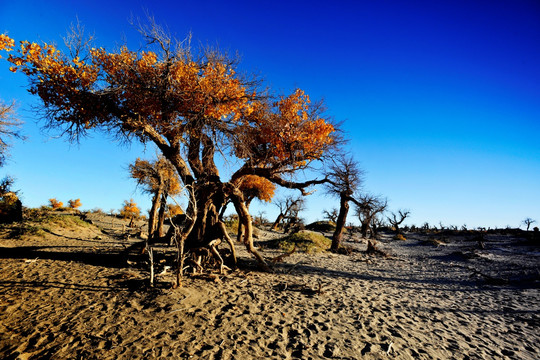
(440, 100)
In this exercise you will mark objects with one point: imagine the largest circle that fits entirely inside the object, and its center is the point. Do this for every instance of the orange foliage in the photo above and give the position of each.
(55, 204)
(174, 210)
(74, 204)
(289, 131)
(6, 43)
(208, 88)
(130, 210)
(257, 187)
(152, 175)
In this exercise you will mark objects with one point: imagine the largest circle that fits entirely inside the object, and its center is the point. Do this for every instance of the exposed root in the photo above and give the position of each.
(281, 257)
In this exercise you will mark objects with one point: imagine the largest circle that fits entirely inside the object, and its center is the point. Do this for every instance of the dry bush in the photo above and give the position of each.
(55, 204)
(75, 204)
(399, 237)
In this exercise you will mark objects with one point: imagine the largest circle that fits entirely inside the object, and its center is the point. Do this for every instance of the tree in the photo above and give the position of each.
(158, 178)
(398, 218)
(528, 222)
(130, 211)
(289, 208)
(331, 215)
(190, 104)
(367, 210)
(344, 178)
(75, 204)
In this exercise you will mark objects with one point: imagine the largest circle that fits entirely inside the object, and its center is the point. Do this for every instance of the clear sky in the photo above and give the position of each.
(440, 99)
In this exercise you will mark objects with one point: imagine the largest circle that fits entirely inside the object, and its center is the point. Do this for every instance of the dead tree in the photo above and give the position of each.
(287, 207)
(331, 215)
(396, 219)
(344, 178)
(369, 207)
(528, 222)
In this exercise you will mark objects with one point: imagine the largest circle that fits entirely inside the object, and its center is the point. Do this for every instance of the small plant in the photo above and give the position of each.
(399, 237)
(75, 204)
(55, 204)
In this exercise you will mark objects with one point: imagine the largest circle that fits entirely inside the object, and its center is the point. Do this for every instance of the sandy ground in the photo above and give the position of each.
(75, 294)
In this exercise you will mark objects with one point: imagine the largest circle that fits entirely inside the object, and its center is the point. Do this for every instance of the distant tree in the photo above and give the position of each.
(376, 223)
(396, 219)
(289, 208)
(159, 179)
(5, 185)
(130, 211)
(55, 204)
(528, 222)
(344, 178)
(75, 204)
(369, 207)
(331, 215)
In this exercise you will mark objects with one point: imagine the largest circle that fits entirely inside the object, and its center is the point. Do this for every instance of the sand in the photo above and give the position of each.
(75, 294)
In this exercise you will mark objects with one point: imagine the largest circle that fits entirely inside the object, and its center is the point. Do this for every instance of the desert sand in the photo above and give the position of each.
(74, 293)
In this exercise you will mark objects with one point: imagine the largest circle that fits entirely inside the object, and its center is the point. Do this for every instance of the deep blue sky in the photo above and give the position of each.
(441, 99)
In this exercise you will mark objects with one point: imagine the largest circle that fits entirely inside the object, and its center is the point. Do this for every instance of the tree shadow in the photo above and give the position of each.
(106, 259)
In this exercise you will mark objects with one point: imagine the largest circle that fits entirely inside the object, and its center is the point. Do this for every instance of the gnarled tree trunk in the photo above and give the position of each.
(340, 224)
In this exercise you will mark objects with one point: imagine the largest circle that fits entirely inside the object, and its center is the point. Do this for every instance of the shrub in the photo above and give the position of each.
(399, 237)
(74, 204)
(55, 204)
(10, 208)
(304, 240)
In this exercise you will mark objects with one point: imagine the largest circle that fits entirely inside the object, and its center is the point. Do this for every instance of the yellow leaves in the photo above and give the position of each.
(287, 132)
(6, 43)
(259, 187)
(55, 204)
(74, 204)
(130, 210)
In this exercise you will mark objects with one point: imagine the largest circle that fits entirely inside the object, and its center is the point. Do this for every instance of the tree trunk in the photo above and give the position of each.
(340, 224)
(240, 232)
(277, 222)
(161, 215)
(364, 229)
(152, 217)
(245, 218)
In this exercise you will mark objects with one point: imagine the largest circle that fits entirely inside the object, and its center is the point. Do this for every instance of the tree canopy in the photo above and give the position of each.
(190, 103)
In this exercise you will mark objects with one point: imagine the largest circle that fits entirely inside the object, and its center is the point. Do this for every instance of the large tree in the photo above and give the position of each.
(190, 103)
